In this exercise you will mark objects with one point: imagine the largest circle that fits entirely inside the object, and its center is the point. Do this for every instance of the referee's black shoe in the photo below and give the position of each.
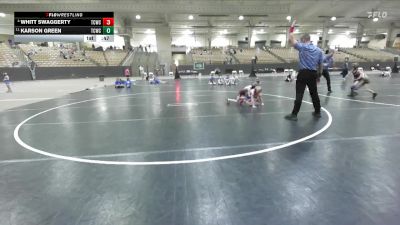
(291, 117)
(316, 115)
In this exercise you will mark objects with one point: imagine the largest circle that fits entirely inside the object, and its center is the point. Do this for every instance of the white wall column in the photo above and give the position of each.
(359, 35)
(325, 31)
(389, 40)
(250, 33)
(164, 40)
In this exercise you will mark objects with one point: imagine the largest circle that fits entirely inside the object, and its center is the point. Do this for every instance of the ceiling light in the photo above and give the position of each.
(364, 34)
(319, 33)
(241, 17)
(330, 31)
(347, 32)
(138, 17)
(288, 18)
(190, 17)
(375, 19)
(148, 31)
(223, 31)
(187, 32)
(333, 18)
(2, 15)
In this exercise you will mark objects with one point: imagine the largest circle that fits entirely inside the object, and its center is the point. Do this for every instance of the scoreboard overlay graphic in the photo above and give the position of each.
(64, 26)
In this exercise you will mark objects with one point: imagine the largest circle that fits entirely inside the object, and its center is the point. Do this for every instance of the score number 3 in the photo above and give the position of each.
(108, 21)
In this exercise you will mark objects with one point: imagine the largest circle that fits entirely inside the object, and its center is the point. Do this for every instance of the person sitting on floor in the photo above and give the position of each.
(220, 80)
(154, 80)
(119, 83)
(212, 79)
(227, 79)
(128, 83)
(387, 72)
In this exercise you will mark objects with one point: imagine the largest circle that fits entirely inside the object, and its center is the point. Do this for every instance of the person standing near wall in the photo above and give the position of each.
(141, 72)
(328, 62)
(127, 73)
(345, 69)
(7, 81)
(310, 68)
(32, 67)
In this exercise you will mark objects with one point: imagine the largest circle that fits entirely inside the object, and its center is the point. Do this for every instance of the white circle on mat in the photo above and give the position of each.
(109, 162)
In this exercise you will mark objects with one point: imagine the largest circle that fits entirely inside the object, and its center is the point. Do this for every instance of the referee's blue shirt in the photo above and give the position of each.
(310, 56)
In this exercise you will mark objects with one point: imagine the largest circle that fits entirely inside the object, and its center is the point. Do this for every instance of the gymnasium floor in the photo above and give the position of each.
(211, 163)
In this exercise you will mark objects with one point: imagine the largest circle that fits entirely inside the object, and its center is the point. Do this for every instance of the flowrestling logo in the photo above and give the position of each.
(377, 14)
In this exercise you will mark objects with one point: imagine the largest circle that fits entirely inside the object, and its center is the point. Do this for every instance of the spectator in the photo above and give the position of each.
(127, 73)
(217, 71)
(345, 69)
(7, 81)
(32, 67)
(141, 71)
(128, 83)
(119, 83)
(327, 62)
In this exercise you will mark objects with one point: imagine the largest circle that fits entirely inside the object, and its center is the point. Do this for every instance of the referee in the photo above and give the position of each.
(310, 68)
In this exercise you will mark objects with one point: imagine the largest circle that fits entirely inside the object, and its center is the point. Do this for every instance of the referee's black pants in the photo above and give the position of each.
(325, 73)
(306, 78)
(344, 72)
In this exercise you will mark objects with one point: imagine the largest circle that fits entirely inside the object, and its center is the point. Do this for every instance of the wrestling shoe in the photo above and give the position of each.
(291, 117)
(352, 94)
(316, 115)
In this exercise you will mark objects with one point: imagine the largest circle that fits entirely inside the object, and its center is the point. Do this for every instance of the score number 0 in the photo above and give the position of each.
(108, 25)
